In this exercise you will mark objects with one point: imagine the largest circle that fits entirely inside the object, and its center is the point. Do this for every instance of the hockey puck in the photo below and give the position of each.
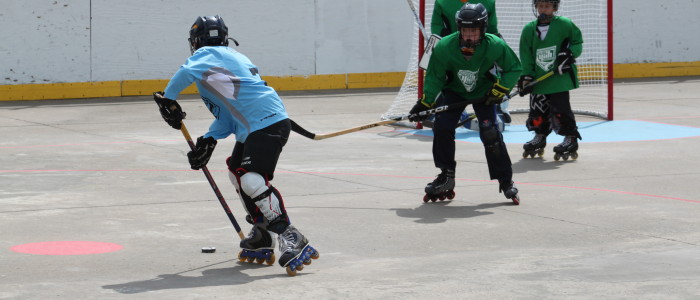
(208, 250)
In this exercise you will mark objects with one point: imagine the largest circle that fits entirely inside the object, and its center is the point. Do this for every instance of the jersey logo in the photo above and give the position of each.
(213, 108)
(222, 83)
(546, 57)
(468, 79)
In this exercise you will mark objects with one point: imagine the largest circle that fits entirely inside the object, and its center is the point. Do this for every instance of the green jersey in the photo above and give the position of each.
(443, 21)
(469, 78)
(538, 56)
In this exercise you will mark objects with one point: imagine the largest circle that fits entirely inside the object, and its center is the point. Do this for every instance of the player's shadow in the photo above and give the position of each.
(440, 212)
(208, 277)
(399, 133)
(537, 164)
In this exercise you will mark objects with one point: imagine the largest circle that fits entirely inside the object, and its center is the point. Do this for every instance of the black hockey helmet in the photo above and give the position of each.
(544, 18)
(472, 16)
(208, 31)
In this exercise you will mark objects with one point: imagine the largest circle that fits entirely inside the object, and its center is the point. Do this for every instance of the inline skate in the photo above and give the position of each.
(296, 251)
(566, 149)
(441, 188)
(509, 190)
(258, 246)
(535, 146)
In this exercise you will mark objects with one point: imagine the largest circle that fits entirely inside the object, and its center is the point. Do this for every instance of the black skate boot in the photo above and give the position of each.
(567, 148)
(442, 187)
(535, 146)
(258, 246)
(296, 251)
(509, 190)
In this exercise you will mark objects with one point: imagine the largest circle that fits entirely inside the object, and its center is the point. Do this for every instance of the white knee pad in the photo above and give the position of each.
(255, 186)
(234, 180)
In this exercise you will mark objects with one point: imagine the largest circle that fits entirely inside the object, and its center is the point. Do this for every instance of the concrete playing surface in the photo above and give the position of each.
(97, 201)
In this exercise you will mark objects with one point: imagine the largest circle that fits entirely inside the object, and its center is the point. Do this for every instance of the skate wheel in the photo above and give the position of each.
(557, 156)
(516, 200)
(565, 157)
(260, 260)
(442, 197)
(250, 259)
(291, 272)
(307, 261)
(300, 267)
(315, 255)
(426, 199)
(540, 153)
(574, 156)
(433, 199)
(241, 258)
(525, 154)
(451, 195)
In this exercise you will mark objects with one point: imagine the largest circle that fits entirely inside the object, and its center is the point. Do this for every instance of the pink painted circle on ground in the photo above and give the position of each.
(66, 248)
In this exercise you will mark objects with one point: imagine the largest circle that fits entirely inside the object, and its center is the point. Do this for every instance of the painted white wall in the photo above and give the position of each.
(656, 31)
(49, 41)
(44, 41)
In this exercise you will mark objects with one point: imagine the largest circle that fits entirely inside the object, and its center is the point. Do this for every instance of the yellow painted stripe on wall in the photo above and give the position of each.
(672, 69)
(60, 90)
(311, 82)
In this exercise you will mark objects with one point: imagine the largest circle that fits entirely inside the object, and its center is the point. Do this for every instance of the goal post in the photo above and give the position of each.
(594, 97)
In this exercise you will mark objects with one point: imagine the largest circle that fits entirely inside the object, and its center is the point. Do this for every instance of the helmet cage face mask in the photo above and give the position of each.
(542, 18)
(472, 16)
(208, 31)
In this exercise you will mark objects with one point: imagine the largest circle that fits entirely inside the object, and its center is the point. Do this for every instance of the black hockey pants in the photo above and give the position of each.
(551, 112)
(497, 158)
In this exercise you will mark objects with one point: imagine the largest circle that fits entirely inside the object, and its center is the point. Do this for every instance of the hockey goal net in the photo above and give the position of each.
(593, 17)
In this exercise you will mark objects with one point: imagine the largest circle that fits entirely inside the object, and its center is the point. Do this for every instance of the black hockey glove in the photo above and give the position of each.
(415, 113)
(170, 110)
(199, 157)
(564, 61)
(523, 88)
(496, 94)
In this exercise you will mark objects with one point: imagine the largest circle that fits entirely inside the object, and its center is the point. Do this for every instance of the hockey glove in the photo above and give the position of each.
(199, 157)
(496, 94)
(564, 61)
(170, 110)
(523, 88)
(415, 113)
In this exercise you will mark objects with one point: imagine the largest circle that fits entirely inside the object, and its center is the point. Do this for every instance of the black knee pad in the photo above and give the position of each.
(538, 125)
(491, 139)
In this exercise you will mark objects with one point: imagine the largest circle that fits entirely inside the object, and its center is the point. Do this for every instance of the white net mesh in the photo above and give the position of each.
(589, 15)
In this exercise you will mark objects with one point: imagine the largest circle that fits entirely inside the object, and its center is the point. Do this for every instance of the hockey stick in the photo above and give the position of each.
(231, 218)
(531, 84)
(431, 39)
(506, 98)
(418, 21)
(300, 130)
(564, 44)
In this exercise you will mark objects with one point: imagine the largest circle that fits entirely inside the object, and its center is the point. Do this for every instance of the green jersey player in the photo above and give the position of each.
(443, 23)
(459, 72)
(550, 43)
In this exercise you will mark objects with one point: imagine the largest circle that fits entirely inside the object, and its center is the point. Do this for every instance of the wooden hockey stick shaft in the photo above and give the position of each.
(231, 218)
(300, 130)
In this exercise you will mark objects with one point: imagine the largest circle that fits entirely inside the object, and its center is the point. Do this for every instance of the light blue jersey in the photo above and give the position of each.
(232, 89)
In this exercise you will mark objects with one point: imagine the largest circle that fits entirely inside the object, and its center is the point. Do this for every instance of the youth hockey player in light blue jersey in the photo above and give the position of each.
(220, 72)
(245, 106)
